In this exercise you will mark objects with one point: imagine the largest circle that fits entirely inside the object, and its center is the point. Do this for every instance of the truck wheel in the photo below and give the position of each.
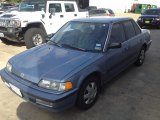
(34, 37)
(88, 93)
(4, 40)
(141, 57)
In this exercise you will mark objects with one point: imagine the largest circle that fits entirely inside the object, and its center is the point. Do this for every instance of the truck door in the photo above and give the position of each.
(54, 21)
(70, 11)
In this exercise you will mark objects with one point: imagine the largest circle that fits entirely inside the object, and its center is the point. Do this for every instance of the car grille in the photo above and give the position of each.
(148, 19)
(3, 29)
(4, 23)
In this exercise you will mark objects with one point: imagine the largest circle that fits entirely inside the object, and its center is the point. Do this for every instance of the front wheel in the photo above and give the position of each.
(34, 37)
(88, 93)
(141, 57)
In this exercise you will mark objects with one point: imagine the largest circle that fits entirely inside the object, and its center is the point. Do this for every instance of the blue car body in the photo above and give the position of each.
(61, 64)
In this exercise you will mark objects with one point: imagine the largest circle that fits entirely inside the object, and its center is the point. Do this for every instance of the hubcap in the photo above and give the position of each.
(90, 93)
(142, 56)
(37, 39)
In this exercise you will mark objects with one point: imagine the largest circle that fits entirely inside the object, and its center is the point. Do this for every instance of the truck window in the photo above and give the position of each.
(57, 7)
(117, 34)
(137, 29)
(129, 29)
(69, 7)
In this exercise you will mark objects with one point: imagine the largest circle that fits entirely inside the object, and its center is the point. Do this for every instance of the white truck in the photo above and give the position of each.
(35, 19)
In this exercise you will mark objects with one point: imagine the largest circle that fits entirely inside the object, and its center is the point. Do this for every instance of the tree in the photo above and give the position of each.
(14, 1)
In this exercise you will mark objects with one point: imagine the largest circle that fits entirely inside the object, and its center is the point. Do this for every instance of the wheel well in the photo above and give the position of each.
(145, 46)
(34, 25)
(94, 74)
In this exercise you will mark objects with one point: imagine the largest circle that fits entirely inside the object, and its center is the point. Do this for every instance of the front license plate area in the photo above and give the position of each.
(147, 22)
(15, 89)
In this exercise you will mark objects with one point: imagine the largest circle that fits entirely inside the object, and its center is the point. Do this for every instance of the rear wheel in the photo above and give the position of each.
(141, 57)
(34, 37)
(88, 93)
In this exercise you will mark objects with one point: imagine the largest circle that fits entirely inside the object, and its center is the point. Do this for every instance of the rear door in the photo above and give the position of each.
(70, 11)
(132, 41)
(55, 21)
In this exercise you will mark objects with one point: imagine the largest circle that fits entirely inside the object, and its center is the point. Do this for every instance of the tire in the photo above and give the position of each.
(5, 41)
(141, 26)
(86, 99)
(141, 57)
(34, 37)
(158, 27)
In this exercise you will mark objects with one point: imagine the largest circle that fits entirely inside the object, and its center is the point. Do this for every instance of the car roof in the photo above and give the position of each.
(153, 9)
(104, 19)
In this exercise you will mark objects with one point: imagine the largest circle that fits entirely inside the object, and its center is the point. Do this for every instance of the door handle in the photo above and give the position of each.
(75, 14)
(61, 16)
(126, 48)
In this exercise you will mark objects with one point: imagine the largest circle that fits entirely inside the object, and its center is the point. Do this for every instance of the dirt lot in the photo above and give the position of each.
(133, 95)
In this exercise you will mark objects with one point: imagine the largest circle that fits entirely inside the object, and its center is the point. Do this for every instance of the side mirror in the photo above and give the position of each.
(52, 12)
(48, 37)
(114, 45)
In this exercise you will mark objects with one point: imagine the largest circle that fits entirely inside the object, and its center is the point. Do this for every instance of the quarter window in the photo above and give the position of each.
(117, 34)
(56, 6)
(69, 7)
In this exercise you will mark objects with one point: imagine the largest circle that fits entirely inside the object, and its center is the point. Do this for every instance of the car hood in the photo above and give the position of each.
(150, 16)
(21, 15)
(48, 62)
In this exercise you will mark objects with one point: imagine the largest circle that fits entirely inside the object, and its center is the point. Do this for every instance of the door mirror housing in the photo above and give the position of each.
(52, 12)
(114, 45)
(48, 37)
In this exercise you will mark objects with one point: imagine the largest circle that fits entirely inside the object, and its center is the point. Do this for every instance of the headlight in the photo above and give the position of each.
(157, 19)
(14, 23)
(58, 86)
(9, 67)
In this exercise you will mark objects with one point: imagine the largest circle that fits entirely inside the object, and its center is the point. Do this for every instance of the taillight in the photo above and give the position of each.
(109, 15)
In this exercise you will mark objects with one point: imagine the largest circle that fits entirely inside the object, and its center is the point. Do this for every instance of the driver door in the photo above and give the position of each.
(115, 58)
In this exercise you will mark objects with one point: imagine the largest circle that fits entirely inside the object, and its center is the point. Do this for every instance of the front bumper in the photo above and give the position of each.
(59, 102)
(150, 23)
(14, 35)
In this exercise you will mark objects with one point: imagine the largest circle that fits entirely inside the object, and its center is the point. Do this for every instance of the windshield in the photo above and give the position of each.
(152, 12)
(82, 36)
(36, 5)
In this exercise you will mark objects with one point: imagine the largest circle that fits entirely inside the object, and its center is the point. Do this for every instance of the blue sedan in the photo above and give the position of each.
(71, 68)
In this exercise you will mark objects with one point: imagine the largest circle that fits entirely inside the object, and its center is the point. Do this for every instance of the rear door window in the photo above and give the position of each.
(102, 11)
(56, 6)
(69, 7)
(129, 29)
(110, 11)
(117, 34)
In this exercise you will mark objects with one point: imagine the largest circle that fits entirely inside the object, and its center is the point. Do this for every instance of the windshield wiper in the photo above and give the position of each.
(55, 43)
(72, 47)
